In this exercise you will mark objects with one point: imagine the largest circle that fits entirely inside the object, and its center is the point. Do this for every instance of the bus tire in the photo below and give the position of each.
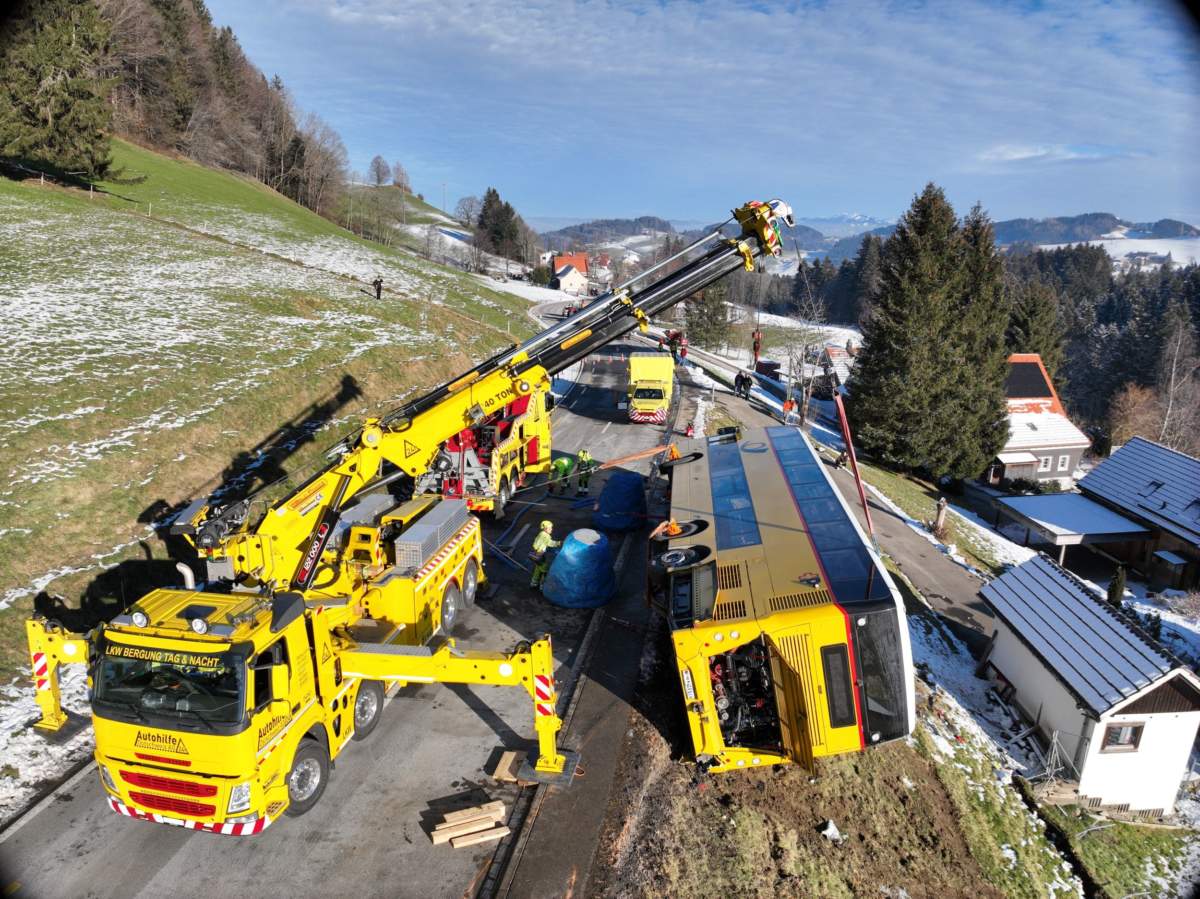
(452, 601)
(470, 583)
(308, 776)
(368, 708)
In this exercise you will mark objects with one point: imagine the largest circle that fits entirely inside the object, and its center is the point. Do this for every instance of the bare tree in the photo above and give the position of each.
(807, 343)
(324, 165)
(467, 209)
(379, 171)
(1178, 387)
(400, 177)
(477, 251)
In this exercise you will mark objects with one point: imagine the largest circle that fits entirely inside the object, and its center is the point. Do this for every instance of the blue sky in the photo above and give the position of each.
(684, 108)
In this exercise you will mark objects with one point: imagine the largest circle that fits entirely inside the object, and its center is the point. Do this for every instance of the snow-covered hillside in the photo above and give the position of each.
(1183, 250)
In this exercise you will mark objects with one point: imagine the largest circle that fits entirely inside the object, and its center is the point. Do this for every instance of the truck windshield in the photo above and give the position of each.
(648, 393)
(207, 686)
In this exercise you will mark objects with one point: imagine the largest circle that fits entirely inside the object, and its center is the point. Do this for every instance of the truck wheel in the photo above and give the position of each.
(470, 583)
(306, 781)
(451, 605)
(501, 500)
(368, 708)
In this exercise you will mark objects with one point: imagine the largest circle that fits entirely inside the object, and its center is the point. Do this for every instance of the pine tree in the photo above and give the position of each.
(707, 317)
(867, 274)
(901, 371)
(53, 105)
(1033, 325)
(490, 212)
(973, 392)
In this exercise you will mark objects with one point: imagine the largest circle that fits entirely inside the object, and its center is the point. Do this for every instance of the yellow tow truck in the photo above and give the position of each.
(221, 708)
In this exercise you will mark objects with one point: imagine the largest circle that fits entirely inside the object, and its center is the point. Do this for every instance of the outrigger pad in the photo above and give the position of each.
(528, 772)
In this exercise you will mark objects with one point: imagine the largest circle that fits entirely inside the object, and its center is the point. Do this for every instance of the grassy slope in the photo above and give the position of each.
(147, 353)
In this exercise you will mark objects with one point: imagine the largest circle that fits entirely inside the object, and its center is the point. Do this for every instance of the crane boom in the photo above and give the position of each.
(284, 549)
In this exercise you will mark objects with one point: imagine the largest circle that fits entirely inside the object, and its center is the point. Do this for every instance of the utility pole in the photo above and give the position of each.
(443, 196)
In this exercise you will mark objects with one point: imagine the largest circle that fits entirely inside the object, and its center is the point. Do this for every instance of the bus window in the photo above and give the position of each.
(885, 683)
(839, 692)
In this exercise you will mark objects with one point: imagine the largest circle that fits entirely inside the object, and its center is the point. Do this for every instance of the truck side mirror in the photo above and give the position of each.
(549, 401)
(279, 682)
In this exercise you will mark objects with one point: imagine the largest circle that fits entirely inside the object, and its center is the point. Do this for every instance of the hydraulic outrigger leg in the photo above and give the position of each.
(530, 666)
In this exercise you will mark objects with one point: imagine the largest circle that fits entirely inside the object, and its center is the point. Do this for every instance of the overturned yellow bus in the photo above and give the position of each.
(788, 633)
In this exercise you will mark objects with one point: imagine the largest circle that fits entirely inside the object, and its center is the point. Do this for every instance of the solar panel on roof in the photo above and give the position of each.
(733, 510)
(1025, 381)
(850, 569)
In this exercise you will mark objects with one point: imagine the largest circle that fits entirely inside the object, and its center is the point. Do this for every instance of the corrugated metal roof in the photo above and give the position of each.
(1156, 484)
(1098, 656)
(1042, 430)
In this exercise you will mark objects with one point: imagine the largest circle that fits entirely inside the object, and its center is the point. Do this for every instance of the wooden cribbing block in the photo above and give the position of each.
(474, 812)
(485, 836)
(507, 767)
(447, 832)
(490, 815)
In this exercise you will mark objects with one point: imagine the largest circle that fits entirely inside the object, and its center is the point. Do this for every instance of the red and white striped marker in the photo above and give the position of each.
(40, 670)
(234, 830)
(543, 690)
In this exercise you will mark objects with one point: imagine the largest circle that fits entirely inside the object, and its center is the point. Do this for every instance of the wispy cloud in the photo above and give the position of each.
(678, 107)
(1026, 154)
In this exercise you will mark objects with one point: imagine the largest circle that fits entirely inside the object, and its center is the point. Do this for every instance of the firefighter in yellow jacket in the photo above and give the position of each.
(542, 544)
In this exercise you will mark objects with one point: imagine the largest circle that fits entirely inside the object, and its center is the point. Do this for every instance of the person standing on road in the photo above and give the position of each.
(561, 468)
(586, 464)
(378, 285)
(540, 554)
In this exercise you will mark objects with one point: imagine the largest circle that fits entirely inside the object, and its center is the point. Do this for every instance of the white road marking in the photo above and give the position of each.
(516, 541)
(41, 806)
(607, 425)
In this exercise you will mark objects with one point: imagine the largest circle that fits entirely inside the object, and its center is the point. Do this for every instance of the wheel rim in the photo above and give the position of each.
(470, 582)
(304, 780)
(449, 611)
(365, 707)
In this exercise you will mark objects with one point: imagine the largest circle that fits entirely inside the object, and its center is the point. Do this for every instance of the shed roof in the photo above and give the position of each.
(1095, 654)
(1158, 485)
(1067, 518)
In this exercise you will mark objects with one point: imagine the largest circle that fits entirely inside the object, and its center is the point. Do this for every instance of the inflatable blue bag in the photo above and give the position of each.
(581, 576)
(622, 503)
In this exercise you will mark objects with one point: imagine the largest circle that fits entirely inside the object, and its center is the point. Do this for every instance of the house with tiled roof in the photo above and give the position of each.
(571, 273)
(1043, 444)
(1159, 488)
(1116, 710)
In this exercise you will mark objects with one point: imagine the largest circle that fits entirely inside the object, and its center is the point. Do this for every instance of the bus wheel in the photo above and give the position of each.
(501, 500)
(306, 781)
(470, 583)
(451, 604)
(368, 708)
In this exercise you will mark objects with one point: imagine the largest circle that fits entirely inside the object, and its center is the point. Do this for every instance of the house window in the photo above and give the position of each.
(1063, 462)
(1044, 463)
(1122, 738)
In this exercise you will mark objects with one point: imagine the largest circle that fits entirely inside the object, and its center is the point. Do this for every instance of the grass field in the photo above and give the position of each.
(159, 334)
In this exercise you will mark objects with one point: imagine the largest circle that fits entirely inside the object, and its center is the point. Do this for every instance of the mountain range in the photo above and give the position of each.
(837, 244)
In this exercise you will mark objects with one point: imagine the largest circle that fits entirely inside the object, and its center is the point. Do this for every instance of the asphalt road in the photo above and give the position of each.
(367, 836)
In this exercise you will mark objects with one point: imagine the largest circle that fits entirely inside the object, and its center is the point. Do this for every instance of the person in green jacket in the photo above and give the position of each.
(584, 475)
(542, 544)
(561, 468)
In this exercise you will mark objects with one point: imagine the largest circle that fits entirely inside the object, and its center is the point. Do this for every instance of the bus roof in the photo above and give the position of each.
(780, 532)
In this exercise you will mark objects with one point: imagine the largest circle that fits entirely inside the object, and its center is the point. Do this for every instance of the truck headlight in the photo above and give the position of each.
(239, 798)
(107, 778)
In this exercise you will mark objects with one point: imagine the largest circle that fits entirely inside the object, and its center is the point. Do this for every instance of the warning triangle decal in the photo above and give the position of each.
(409, 448)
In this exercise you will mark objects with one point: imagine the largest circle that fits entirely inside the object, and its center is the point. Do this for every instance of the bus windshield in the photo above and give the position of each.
(209, 686)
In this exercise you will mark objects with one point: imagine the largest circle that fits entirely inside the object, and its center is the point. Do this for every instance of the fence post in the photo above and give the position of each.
(149, 209)
(42, 179)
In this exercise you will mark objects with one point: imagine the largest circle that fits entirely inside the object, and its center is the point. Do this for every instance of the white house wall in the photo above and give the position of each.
(1148, 778)
(1040, 696)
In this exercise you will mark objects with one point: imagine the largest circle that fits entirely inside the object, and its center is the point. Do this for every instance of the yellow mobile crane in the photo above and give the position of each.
(220, 709)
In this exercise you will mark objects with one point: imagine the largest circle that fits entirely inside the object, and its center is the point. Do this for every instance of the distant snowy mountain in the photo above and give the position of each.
(847, 224)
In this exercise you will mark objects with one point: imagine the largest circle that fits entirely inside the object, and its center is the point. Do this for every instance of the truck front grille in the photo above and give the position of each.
(171, 804)
(168, 784)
